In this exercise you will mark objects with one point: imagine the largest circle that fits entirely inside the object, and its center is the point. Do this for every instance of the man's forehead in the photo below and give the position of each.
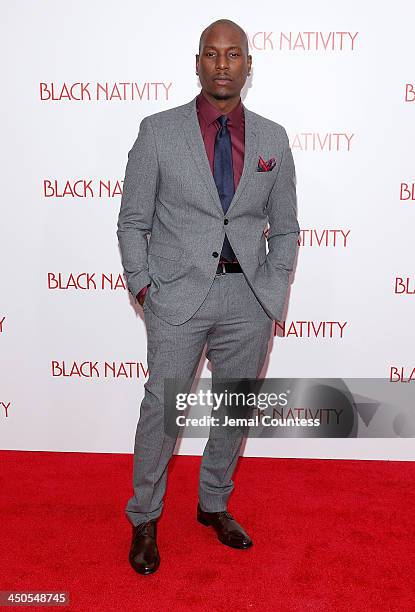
(225, 44)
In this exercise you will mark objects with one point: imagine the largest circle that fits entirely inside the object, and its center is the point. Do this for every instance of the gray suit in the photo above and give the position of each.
(169, 192)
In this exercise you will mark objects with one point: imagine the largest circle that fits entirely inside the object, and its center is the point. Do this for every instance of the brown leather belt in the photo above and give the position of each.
(226, 267)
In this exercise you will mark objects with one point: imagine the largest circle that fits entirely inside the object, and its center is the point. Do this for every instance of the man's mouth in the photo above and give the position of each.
(222, 80)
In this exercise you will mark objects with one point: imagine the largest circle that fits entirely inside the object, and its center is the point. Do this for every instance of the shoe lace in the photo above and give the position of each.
(225, 514)
(145, 529)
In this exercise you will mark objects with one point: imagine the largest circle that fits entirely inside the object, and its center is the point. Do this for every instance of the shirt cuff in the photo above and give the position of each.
(143, 291)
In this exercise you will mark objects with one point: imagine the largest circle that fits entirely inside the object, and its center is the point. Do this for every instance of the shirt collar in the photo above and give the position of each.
(210, 113)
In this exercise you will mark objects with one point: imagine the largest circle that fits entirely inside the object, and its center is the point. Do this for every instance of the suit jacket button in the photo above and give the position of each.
(226, 221)
(215, 254)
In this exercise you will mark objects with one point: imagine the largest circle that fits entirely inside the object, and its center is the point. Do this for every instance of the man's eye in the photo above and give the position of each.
(212, 53)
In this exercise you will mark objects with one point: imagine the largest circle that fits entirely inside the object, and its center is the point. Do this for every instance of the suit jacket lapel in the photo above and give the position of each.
(194, 139)
(251, 138)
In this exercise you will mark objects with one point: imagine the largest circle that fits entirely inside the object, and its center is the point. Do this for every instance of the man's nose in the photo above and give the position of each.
(222, 62)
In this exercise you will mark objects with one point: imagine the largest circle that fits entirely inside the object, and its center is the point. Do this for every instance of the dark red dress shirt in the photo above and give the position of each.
(207, 115)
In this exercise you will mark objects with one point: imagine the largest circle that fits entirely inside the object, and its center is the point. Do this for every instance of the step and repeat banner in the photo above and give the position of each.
(77, 80)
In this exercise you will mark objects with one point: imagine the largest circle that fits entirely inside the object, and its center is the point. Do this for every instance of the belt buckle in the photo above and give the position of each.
(222, 263)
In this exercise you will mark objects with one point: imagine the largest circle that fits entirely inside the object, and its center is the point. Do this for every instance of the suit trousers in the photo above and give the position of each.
(236, 330)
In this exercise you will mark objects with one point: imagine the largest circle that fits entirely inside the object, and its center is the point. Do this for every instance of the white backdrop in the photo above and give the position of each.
(337, 76)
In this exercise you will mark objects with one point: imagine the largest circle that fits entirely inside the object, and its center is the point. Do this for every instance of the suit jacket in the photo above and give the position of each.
(170, 195)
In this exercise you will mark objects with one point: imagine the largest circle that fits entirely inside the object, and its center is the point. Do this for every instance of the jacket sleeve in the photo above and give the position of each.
(138, 200)
(282, 214)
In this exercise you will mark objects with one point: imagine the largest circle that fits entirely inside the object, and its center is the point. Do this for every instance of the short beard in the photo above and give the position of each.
(219, 96)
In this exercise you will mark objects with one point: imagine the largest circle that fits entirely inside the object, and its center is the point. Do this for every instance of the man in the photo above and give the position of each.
(203, 180)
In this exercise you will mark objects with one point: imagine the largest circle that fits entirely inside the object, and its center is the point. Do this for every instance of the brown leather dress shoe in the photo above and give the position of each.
(144, 555)
(228, 530)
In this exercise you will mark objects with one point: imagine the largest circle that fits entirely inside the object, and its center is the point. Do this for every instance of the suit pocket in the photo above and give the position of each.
(262, 257)
(266, 171)
(165, 251)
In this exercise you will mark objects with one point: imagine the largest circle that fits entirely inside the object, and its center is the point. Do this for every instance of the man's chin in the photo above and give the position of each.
(222, 95)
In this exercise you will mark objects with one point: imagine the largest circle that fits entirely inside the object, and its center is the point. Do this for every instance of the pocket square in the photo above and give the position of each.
(265, 166)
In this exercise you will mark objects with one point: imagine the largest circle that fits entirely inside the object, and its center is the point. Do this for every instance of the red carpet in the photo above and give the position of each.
(328, 536)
